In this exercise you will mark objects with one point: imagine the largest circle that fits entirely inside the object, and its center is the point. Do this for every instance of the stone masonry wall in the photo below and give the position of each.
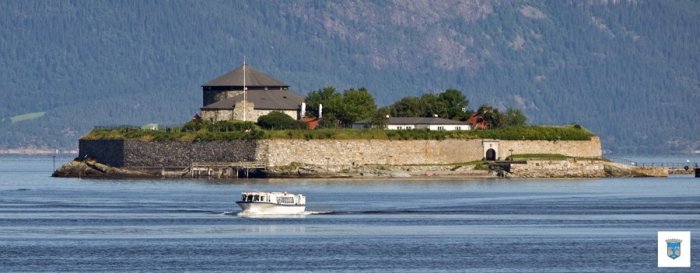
(559, 168)
(589, 149)
(336, 154)
(135, 153)
(343, 153)
(110, 152)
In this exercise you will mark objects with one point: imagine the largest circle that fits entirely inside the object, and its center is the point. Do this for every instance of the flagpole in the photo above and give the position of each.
(244, 92)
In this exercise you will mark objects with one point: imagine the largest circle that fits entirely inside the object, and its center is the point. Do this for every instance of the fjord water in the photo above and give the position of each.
(444, 225)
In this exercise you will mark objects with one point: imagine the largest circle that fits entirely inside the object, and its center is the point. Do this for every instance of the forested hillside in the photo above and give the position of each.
(627, 70)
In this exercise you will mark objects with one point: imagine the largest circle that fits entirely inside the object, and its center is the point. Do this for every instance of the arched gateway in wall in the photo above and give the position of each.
(490, 149)
(490, 155)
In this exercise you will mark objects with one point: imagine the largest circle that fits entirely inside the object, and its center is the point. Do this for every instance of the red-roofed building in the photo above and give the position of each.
(311, 122)
(477, 122)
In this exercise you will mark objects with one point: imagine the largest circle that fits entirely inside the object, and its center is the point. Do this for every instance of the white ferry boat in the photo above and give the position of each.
(273, 203)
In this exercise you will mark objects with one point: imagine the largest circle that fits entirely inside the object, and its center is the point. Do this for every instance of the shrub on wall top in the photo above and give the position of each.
(278, 121)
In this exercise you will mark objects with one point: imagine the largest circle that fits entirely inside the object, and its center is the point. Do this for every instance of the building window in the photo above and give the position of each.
(458, 128)
(441, 128)
(399, 128)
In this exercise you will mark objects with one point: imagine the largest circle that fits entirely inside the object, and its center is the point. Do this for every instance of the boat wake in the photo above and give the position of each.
(247, 214)
(244, 214)
(320, 212)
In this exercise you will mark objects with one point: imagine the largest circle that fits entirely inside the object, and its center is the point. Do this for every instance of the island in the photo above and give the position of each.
(252, 125)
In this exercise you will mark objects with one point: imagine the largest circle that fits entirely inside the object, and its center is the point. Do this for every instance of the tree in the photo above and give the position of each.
(332, 102)
(490, 114)
(513, 117)
(327, 96)
(455, 102)
(406, 107)
(380, 119)
(432, 105)
(278, 121)
(357, 104)
(450, 104)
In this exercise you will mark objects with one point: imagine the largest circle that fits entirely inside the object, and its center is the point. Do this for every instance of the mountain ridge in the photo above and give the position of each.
(627, 70)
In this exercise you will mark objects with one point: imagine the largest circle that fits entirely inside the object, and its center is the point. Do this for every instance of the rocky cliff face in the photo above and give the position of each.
(90, 168)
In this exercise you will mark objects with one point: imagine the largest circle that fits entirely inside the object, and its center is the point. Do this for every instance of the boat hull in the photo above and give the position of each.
(270, 208)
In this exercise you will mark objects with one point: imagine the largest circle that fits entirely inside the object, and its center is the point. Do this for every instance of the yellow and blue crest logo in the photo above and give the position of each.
(673, 248)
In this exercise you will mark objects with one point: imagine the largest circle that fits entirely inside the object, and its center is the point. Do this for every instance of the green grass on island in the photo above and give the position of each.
(204, 131)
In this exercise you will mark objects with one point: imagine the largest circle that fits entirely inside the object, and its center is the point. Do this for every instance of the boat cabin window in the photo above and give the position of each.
(286, 200)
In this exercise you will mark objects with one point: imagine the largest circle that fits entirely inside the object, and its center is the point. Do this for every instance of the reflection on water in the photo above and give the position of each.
(417, 225)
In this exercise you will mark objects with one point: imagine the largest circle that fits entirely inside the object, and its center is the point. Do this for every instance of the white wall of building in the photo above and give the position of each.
(400, 127)
(450, 127)
(435, 127)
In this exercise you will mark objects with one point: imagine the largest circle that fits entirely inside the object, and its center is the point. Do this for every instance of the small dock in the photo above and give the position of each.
(225, 169)
(503, 167)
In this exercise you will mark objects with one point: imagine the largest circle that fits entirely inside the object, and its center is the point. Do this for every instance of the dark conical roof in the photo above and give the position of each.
(253, 77)
(263, 100)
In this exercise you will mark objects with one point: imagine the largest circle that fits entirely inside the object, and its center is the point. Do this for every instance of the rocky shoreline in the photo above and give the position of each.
(569, 168)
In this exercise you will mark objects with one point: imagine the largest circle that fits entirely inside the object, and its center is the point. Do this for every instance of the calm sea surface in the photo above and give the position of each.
(451, 225)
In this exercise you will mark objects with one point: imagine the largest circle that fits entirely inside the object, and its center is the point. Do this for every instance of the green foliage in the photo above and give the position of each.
(407, 107)
(193, 126)
(328, 97)
(491, 115)
(219, 126)
(455, 102)
(331, 102)
(497, 119)
(190, 131)
(379, 120)
(211, 133)
(514, 117)
(552, 133)
(432, 105)
(341, 110)
(329, 121)
(278, 121)
(358, 104)
(450, 104)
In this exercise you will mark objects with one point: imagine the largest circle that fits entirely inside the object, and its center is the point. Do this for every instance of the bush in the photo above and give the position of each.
(193, 126)
(278, 121)
(231, 130)
(219, 126)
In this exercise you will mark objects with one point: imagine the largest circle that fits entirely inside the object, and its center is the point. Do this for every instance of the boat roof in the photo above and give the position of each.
(267, 192)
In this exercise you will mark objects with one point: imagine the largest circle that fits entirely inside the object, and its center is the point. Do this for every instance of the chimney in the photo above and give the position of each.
(303, 110)
(320, 111)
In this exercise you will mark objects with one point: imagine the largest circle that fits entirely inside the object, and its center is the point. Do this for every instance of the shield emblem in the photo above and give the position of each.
(673, 248)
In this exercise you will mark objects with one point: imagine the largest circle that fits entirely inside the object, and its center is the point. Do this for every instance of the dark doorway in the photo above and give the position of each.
(490, 154)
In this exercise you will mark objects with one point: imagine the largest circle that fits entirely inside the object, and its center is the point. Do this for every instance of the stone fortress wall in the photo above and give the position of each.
(328, 153)
(587, 149)
(338, 153)
(169, 154)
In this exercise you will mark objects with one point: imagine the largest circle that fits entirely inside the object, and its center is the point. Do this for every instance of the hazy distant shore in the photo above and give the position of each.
(37, 151)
